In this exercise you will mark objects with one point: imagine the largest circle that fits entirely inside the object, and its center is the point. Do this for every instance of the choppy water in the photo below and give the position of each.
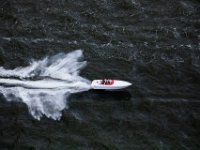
(152, 44)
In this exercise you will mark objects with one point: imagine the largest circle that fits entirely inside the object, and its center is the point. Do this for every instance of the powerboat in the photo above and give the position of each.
(109, 84)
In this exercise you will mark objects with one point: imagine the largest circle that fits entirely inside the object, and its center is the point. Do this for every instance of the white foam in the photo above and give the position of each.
(47, 96)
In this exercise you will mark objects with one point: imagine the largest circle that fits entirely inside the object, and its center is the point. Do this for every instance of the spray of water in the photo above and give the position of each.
(45, 85)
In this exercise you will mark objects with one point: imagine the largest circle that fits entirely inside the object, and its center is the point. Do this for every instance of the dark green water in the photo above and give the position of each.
(152, 44)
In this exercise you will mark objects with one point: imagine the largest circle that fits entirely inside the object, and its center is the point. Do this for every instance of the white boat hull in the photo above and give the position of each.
(117, 84)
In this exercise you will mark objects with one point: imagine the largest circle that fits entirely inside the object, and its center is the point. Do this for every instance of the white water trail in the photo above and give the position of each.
(55, 78)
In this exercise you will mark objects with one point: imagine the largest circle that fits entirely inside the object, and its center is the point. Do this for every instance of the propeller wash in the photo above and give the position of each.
(57, 78)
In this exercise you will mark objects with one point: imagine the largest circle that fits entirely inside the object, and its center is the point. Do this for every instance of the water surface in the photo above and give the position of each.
(152, 44)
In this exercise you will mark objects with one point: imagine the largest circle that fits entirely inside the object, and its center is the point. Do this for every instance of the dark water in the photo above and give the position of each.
(152, 44)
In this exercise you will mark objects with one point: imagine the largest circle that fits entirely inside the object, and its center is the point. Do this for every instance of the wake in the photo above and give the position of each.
(45, 85)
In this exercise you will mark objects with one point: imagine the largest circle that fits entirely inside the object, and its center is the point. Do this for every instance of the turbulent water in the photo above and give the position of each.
(152, 44)
(45, 96)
